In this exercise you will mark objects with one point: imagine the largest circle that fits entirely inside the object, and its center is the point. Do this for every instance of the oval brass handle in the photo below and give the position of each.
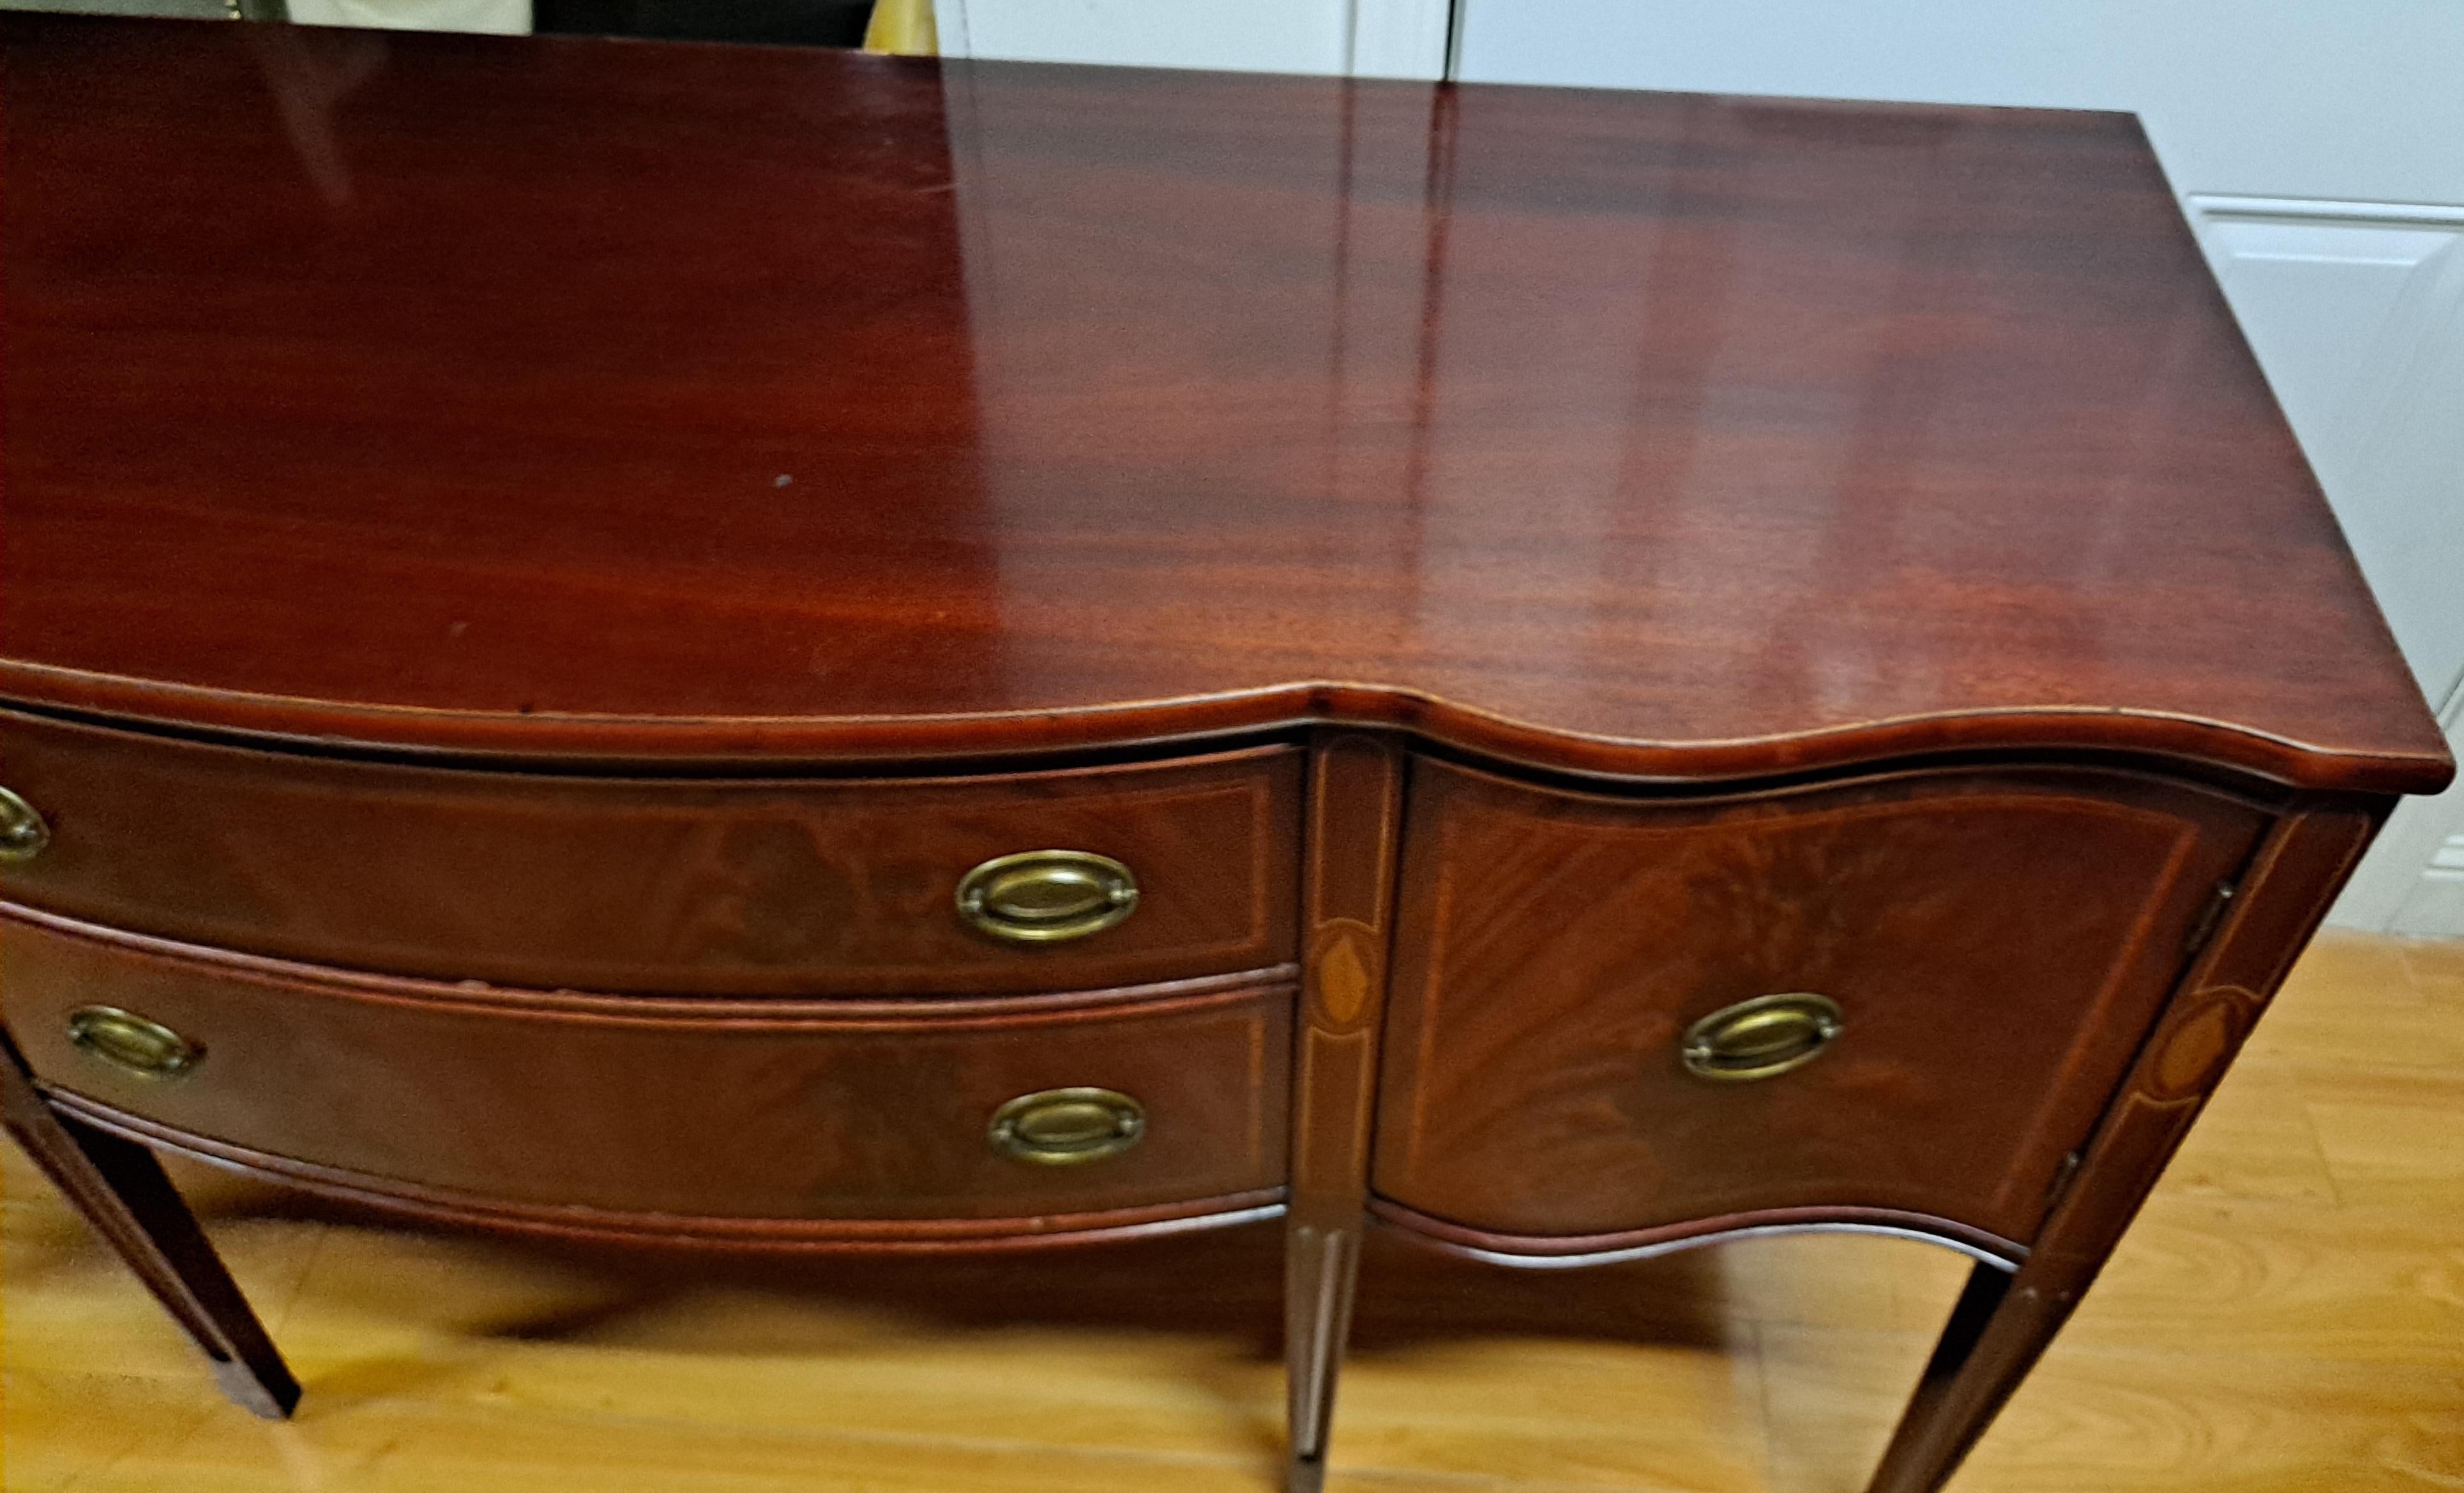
(1761, 1037)
(23, 834)
(1061, 1127)
(131, 1043)
(1046, 896)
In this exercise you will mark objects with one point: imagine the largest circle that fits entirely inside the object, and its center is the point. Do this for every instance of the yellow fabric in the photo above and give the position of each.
(902, 28)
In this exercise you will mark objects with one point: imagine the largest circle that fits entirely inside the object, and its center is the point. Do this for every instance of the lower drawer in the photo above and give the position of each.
(751, 1111)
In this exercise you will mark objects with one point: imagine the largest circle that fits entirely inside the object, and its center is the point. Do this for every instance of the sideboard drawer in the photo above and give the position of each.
(1992, 944)
(685, 885)
(746, 1111)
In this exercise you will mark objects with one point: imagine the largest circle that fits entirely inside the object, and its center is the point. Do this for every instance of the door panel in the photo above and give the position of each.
(1996, 940)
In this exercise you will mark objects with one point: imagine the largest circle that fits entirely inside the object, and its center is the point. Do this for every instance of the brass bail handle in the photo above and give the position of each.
(1063, 1127)
(1046, 896)
(23, 834)
(1761, 1037)
(131, 1043)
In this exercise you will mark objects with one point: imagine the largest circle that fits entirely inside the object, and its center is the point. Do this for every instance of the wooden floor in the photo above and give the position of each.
(2289, 1314)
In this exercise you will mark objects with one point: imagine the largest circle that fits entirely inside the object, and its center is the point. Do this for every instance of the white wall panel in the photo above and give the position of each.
(1260, 36)
(2329, 98)
(2357, 313)
(1371, 39)
(1400, 38)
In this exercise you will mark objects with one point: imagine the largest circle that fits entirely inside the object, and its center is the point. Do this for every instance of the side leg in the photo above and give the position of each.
(2003, 1325)
(1355, 799)
(123, 1192)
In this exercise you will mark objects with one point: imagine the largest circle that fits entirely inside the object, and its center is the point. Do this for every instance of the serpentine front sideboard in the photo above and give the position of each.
(794, 651)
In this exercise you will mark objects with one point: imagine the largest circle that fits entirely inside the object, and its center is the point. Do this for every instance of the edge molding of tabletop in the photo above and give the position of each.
(682, 742)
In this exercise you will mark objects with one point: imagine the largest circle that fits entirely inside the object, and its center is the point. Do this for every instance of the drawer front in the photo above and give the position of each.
(1995, 943)
(783, 1112)
(687, 886)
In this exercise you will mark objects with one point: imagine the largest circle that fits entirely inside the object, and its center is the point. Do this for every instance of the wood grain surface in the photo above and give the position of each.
(632, 484)
(549, 395)
(810, 887)
(796, 1112)
(2284, 1319)
(1999, 941)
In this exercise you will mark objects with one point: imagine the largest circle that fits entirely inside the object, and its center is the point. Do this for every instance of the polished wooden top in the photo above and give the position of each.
(581, 397)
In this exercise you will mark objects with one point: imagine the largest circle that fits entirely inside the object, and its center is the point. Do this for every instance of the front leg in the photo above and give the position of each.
(1355, 791)
(1993, 1337)
(123, 1192)
(1321, 1266)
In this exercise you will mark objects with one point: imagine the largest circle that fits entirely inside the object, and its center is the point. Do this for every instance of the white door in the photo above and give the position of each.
(2317, 146)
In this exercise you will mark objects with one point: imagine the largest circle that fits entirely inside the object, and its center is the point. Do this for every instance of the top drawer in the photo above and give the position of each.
(739, 887)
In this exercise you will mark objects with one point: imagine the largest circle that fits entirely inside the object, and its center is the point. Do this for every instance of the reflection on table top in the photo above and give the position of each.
(576, 395)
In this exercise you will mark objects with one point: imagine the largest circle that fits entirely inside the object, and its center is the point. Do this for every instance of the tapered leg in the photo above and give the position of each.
(122, 1191)
(1321, 1265)
(1355, 804)
(1995, 1334)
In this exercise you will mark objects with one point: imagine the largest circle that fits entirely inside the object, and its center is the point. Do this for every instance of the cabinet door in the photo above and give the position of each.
(1995, 943)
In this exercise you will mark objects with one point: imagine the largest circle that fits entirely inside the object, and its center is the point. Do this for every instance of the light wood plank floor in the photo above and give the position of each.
(2289, 1314)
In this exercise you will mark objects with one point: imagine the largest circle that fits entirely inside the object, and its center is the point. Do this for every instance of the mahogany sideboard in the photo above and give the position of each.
(791, 650)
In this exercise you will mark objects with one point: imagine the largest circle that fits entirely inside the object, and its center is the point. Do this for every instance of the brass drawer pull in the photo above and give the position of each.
(1048, 896)
(132, 1043)
(1062, 1127)
(1761, 1037)
(23, 834)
